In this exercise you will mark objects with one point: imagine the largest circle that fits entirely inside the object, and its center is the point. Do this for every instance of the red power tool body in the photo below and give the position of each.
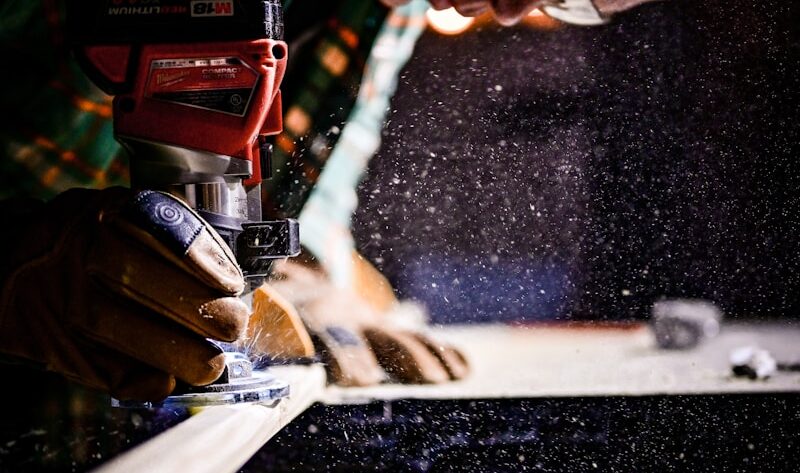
(196, 94)
(215, 97)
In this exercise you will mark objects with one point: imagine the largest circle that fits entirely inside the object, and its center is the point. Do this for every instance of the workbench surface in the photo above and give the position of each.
(561, 398)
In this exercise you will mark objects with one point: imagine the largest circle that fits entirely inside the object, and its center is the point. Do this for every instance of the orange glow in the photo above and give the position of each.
(448, 22)
(538, 20)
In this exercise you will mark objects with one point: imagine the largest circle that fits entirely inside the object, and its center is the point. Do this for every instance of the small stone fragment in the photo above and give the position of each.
(683, 323)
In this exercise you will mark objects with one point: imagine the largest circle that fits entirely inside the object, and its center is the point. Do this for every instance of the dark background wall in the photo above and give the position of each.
(586, 172)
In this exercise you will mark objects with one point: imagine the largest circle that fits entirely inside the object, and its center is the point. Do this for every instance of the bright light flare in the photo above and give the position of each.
(448, 22)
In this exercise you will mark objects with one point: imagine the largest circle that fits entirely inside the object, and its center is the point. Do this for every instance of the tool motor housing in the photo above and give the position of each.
(217, 98)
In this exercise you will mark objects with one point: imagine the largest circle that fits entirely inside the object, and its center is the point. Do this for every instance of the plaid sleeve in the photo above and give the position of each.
(55, 126)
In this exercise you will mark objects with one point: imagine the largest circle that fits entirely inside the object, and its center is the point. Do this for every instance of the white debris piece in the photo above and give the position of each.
(753, 362)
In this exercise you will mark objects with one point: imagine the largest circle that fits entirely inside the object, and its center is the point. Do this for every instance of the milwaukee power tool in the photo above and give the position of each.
(196, 96)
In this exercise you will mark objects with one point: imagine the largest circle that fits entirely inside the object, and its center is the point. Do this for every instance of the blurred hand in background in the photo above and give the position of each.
(510, 12)
(507, 12)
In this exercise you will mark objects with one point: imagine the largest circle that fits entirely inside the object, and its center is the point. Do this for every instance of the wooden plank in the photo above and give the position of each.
(222, 438)
(589, 360)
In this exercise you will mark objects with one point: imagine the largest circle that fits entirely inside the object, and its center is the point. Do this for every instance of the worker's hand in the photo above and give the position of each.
(359, 344)
(119, 290)
(509, 12)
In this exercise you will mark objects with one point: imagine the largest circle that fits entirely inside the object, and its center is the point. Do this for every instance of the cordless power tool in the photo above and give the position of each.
(196, 97)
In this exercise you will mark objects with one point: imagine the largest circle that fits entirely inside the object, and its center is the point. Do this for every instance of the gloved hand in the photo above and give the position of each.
(119, 290)
(357, 340)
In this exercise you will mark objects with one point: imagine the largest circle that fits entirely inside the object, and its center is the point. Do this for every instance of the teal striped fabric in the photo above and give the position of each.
(326, 217)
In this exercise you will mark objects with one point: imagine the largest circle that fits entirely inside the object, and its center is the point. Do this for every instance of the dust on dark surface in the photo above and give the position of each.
(675, 433)
(48, 424)
(587, 172)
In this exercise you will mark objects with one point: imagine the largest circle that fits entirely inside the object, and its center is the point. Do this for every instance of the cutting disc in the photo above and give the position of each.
(238, 384)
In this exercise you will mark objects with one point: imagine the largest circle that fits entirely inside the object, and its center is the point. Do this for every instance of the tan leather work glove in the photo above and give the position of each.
(119, 290)
(357, 341)
(275, 332)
